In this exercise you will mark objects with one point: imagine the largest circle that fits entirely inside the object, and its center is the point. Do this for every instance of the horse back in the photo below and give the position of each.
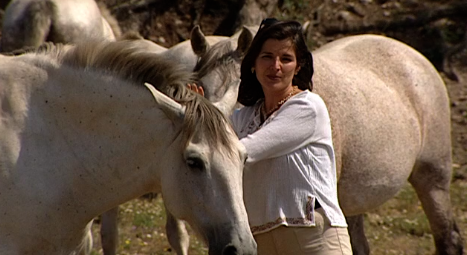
(400, 67)
(386, 68)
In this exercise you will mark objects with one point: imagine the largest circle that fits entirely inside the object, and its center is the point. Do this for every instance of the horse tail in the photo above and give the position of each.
(38, 15)
(448, 69)
(30, 30)
(109, 20)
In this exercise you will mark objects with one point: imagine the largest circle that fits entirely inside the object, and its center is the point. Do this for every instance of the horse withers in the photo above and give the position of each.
(30, 23)
(390, 116)
(82, 134)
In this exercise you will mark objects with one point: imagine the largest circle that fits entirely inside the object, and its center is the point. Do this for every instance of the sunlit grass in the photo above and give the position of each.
(142, 230)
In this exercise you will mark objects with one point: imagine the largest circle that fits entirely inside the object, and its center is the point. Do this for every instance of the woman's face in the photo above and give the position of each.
(276, 64)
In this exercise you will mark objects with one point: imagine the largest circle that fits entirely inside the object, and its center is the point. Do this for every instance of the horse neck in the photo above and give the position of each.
(103, 137)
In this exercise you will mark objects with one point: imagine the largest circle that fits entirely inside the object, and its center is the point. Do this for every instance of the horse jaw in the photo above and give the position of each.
(227, 104)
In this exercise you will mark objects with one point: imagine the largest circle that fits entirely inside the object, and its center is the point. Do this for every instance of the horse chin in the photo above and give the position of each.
(226, 244)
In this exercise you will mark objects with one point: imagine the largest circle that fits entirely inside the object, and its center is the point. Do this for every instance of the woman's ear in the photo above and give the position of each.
(297, 70)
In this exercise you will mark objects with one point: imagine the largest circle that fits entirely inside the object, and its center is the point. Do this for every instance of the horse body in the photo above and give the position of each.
(390, 115)
(29, 23)
(72, 121)
(391, 123)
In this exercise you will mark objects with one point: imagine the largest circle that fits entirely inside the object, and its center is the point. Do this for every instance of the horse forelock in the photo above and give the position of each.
(137, 66)
(213, 122)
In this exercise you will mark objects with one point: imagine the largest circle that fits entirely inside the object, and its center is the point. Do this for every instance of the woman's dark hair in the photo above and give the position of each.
(250, 89)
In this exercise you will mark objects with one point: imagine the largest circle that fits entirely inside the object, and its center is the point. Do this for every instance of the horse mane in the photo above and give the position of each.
(137, 66)
(221, 55)
(49, 48)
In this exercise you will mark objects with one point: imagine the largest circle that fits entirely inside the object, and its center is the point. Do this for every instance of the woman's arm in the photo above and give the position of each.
(292, 127)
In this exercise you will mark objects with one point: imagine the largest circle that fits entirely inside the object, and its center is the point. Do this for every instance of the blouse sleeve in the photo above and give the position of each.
(292, 127)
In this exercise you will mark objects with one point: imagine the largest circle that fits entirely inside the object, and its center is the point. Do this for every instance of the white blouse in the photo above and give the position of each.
(290, 164)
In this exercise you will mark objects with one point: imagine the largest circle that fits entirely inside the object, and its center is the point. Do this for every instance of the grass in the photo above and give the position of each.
(142, 230)
(398, 227)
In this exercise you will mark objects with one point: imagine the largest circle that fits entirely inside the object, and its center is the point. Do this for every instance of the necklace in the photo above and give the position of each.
(265, 114)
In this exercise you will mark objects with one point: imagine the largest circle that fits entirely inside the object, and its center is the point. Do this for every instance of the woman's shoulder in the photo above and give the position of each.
(306, 94)
(308, 101)
(308, 97)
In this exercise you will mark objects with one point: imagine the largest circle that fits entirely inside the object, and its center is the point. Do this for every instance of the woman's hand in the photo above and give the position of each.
(196, 88)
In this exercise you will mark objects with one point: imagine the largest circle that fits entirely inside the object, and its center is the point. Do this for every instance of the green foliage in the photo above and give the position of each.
(144, 220)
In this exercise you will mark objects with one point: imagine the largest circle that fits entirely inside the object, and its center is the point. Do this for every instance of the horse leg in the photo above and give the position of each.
(357, 235)
(177, 235)
(109, 231)
(431, 183)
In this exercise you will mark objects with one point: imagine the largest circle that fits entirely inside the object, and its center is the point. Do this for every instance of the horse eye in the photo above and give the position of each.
(195, 163)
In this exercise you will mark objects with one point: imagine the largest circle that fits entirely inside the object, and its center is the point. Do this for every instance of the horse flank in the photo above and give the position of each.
(137, 66)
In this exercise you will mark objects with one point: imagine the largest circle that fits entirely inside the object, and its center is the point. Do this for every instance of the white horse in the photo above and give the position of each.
(81, 135)
(186, 53)
(218, 68)
(30, 23)
(390, 116)
(220, 89)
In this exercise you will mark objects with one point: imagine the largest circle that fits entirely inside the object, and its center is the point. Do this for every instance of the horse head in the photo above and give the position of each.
(218, 67)
(203, 181)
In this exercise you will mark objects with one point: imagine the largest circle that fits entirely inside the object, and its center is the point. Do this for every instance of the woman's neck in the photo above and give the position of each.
(273, 101)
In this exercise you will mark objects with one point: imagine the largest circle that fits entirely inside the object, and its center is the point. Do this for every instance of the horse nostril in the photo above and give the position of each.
(230, 250)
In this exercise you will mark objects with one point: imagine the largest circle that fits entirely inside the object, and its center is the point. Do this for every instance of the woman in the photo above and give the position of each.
(290, 186)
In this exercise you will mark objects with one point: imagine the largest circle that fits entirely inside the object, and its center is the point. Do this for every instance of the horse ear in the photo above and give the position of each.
(172, 109)
(244, 41)
(199, 44)
(305, 27)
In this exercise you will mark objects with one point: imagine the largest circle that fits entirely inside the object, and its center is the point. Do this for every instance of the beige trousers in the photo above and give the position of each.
(320, 240)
